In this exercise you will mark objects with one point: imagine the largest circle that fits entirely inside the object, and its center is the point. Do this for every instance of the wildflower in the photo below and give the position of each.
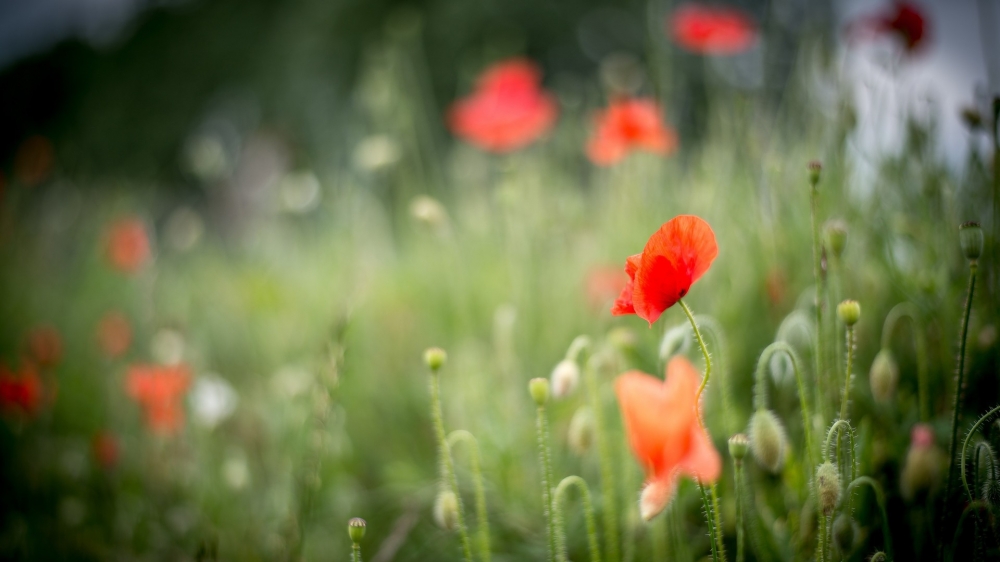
(664, 428)
(674, 258)
(212, 400)
(905, 21)
(508, 110)
(105, 449)
(565, 378)
(21, 392)
(768, 441)
(159, 389)
(45, 345)
(712, 31)
(114, 334)
(922, 468)
(628, 124)
(128, 245)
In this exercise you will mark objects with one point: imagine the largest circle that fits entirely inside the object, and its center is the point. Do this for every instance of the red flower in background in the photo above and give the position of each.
(45, 345)
(905, 21)
(626, 125)
(603, 285)
(104, 447)
(712, 31)
(507, 111)
(114, 334)
(674, 258)
(160, 389)
(664, 428)
(128, 245)
(22, 391)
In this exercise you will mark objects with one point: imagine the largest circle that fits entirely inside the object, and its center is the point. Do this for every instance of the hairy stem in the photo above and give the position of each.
(959, 384)
(704, 351)
(545, 460)
(847, 374)
(908, 310)
(738, 479)
(609, 510)
(965, 446)
(447, 469)
(482, 521)
(880, 500)
(356, 553)
(818, 278)
(760, 389)
(588, 514)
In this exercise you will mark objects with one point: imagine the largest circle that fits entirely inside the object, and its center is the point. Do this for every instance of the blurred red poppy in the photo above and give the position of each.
(712, 30)
(626, 125)
(33, 160)
(508, 109)
(160, 390)
(105, 449)
(45, 345)
(114, 334)
(664, 428)
(128, 245)
(23, 391)
(904, 21)
(674, 258)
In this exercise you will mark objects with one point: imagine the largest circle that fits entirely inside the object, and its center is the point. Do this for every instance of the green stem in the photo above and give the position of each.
(959, 384)
(658, 535)
(356, 552)
(713, 490)
(588, 513)
(835, 429)
(609, 511)
(483, 523)
(965, 446)
(977, 506)
(704, 351)
(760, 389)
(823, 539)
(880, 500)
(712, 532)
(544, 458)
(447, 469)
(708, 324)
(908, 310)
(847, 375)
(738, 478)
(818, 277)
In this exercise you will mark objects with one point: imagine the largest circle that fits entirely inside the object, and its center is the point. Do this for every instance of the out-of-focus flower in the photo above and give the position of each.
(212, 400)
(712, 30)
(565, 378)
(922, 469)
(626, 125)
(23, 391)
(662, 422)
(167, 346)
(376, 152)
(104, 446)
(603, 285)
(674, 258)
(128, 245)
(114, 334)
(160, 390)
(33, 160)
(45, 345)
(904, 21)
(508, 109)
(429, 211)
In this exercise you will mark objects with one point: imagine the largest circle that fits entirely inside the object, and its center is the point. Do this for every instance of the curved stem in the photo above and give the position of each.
(708, 324)
(977, 505)
(579, 344)
(448, 478)
(834, 429)
(545, 460)
(588, 514)
(847, 376)
(609, 511)
(880, 500)
(908, 310)
(959, 383)
(483, 523)
(965, 446)
(704, 351)
(760, 388)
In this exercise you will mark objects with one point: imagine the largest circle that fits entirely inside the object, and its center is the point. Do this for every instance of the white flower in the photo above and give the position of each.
(565, 378)
(212, 400)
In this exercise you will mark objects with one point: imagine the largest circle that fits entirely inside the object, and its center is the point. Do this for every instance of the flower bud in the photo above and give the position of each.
(879, 556)
(539, 390)
(565, 378)
(970, 235)
(849, 311)
(676, 340)
(738, 446)
(922, 468)
(654, 498)
(435, 358)
(446, 510)
(884, 376)
(767, 440)
(814, 169)
(827, 487)
(991, 490)
(429, 211)
(581, 431)
(835, 232)
(843, 533)
(356, 529)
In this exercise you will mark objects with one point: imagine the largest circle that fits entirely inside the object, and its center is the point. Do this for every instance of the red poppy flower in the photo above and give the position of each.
(45, 345)
(104, 447)
(507, 111)
(905, 21)
(114, 334)
(675, 256)
(712, 31)
(22, 391)
(664, 428)
(629, 124)
(128, 245)
(160, 389)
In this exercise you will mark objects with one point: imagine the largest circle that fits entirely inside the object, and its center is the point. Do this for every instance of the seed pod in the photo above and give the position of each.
(738, 446)
(849, 311)
(356, 529)
(835, 232)
(446, 510)
(581, 431)
(884, 376)
(843, 533)
(565, 378)
(539, 390)
(827, 487)
(767, 440)
(435, 358)
(814, 169)
(970, 235)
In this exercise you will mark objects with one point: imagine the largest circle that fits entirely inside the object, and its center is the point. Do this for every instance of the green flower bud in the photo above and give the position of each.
(970, 235)
(767, 440)
(539, 390)
(843, 533)
(884, 376)
(446, 510)
(827, 487)
(738, 446)
(849, 312)
(814, 169)
(356, 529)
(879, 556)
(835, 232)
(435, 358)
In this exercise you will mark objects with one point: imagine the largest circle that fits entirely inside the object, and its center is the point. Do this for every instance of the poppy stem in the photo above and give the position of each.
(738, 476)
(588, 514)
(880, 500)
(909, 310)
(760, 388)
(959, 383)
(608, 488)
(847, 375)
(482, 521)
(447, 469)
(545, 459)
(704, 351)
(356, 553)
(818, 277)
(707, 503)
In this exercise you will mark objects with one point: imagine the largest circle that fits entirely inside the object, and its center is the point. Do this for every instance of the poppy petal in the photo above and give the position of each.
(623, 305)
